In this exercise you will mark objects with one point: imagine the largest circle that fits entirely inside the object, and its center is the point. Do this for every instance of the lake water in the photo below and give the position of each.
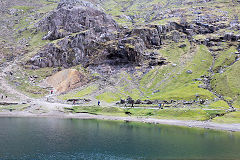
(49, 138)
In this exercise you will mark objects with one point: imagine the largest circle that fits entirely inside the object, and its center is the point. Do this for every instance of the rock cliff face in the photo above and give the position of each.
(82, 34)
(82, 29)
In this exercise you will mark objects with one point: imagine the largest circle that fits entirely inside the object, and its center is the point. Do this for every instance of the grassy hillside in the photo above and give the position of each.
(172, 81)
(141, 12)
(182, 79)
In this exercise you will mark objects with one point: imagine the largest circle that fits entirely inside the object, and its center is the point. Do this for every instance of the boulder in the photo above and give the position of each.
(182, 46)
(189, 72)
(228, 36)
(176, 36)
(122, 101)
(148, 102)
(138, 101)
(174, 65)
(156, 91)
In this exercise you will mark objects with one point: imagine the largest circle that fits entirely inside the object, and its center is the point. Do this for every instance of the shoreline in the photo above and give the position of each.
(186, 123)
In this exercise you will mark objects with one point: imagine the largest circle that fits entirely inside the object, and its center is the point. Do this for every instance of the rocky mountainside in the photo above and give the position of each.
(83, 34)
(94, 38)
(181, 52)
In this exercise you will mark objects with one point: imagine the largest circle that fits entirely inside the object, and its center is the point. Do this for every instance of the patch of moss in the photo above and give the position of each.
(35, 43)
(199, 37)
(41, 73)
(99, 110)
(86, 91)
(19, 107)
(233, 117)
(32, 91)
(236, 103)
(187, 92)
(109, 97)
(47, 8)
(225, 58)
(227, 83)
(129, 46)
(219, 104)
(172, 113)
(23, 8)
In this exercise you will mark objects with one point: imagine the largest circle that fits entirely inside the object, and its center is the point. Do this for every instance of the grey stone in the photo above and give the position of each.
(182, 46)
(189, 72)
(174, 65)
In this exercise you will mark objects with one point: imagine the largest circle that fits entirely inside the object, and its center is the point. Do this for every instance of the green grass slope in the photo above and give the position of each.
(168, 82)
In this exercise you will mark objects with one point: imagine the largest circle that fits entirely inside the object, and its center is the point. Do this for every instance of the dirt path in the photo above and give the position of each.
(6, 87)
(22, 98)
(50, 102)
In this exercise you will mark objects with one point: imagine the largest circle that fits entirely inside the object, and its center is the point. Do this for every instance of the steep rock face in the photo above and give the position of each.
(124, 51)
(85, 35)
(150, 36)
(84, 49)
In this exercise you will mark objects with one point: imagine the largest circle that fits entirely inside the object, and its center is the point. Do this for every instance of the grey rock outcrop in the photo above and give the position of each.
(82, 34)
(189, 72)
(68, 19)
(89, 36)
(150, 36)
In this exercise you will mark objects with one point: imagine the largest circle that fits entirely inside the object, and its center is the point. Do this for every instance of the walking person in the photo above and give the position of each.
(160, 105)
(98, 103)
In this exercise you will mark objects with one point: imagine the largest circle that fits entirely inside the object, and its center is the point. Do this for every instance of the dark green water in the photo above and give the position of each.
(49, 138)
